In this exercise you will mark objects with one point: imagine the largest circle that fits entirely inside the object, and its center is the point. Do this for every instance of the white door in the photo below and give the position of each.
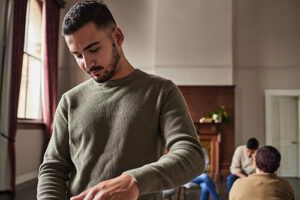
(284, 133)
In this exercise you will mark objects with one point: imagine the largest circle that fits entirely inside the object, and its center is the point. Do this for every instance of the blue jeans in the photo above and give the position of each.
(207, 187)
(230, 180)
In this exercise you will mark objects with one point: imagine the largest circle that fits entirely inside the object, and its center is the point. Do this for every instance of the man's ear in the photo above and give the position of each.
(118, 36)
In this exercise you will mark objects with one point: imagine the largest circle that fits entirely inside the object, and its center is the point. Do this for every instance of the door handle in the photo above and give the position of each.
(294, 142)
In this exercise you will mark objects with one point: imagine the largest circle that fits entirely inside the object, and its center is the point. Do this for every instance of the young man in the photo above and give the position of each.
(242, 162)
(264, 184)
(110, 132)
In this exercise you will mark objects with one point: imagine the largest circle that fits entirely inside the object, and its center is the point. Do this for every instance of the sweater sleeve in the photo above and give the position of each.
(236, 164)
(56, 166)
(184, 160)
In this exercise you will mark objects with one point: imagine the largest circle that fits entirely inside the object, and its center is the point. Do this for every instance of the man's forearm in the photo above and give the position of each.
(240, 174)
(172, 170)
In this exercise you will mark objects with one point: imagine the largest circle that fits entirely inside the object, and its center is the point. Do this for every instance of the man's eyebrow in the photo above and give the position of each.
(86, 48)
(90, 45)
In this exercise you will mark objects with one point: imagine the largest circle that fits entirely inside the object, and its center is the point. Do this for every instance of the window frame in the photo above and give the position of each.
(30, 124)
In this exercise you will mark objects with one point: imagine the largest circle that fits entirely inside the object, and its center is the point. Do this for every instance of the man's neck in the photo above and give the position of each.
(123, 70)
(258, 171)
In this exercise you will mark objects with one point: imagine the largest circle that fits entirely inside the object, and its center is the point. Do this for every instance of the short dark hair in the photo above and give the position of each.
(268, 159)
(87, 11)
(252, 144)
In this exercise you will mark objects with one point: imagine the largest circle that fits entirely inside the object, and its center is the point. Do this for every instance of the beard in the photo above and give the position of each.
(110, 69)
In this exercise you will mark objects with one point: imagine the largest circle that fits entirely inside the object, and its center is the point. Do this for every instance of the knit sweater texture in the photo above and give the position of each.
(103, 130)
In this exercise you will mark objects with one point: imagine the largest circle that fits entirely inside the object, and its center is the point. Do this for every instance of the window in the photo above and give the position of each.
(30, 99)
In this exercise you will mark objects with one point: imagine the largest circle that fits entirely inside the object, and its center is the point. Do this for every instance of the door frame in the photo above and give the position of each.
(269, 94)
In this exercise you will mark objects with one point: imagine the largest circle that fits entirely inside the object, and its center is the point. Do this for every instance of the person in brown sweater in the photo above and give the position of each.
(110, 132)
(264, 184)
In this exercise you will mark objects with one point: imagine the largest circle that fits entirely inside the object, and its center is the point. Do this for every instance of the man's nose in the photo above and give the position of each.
(88, 63)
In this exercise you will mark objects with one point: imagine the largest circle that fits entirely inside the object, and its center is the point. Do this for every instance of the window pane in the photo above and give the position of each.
(23, 88)
(33, 100)
(33, 33)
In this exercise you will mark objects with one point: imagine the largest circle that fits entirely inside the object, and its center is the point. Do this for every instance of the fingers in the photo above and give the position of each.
(91, 194)
(80, 196)
(122, 187)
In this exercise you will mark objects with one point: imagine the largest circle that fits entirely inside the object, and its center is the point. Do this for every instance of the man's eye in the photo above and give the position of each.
(78, 56)
(94, 50)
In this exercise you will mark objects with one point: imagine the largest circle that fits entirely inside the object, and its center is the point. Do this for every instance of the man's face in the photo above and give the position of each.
(94, 51)
(251, 152)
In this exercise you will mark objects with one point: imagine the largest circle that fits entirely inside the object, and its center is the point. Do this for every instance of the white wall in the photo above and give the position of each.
(194, 41)
(29, 148)
(137, 20)
(266, 56)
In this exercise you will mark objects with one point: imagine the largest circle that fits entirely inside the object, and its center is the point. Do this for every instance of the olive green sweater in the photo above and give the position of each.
(102, 130)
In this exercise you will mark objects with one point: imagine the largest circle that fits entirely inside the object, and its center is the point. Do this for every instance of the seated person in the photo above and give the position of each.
(205, 182)
(242, 162)
(264, 184)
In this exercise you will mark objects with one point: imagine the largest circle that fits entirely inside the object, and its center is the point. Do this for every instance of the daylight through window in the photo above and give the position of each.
(30, 104)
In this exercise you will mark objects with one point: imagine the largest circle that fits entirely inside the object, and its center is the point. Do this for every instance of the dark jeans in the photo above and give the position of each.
(230, 180)
(207, 187)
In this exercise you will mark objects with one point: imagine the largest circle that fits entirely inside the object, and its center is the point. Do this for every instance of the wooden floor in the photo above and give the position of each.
(27, 191)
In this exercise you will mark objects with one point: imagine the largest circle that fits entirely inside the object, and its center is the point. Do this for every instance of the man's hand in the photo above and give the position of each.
(241, 175)
(119, 188)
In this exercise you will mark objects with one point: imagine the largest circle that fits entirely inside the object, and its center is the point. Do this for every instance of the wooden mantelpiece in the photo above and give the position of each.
(203, 99)
(207, 127)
